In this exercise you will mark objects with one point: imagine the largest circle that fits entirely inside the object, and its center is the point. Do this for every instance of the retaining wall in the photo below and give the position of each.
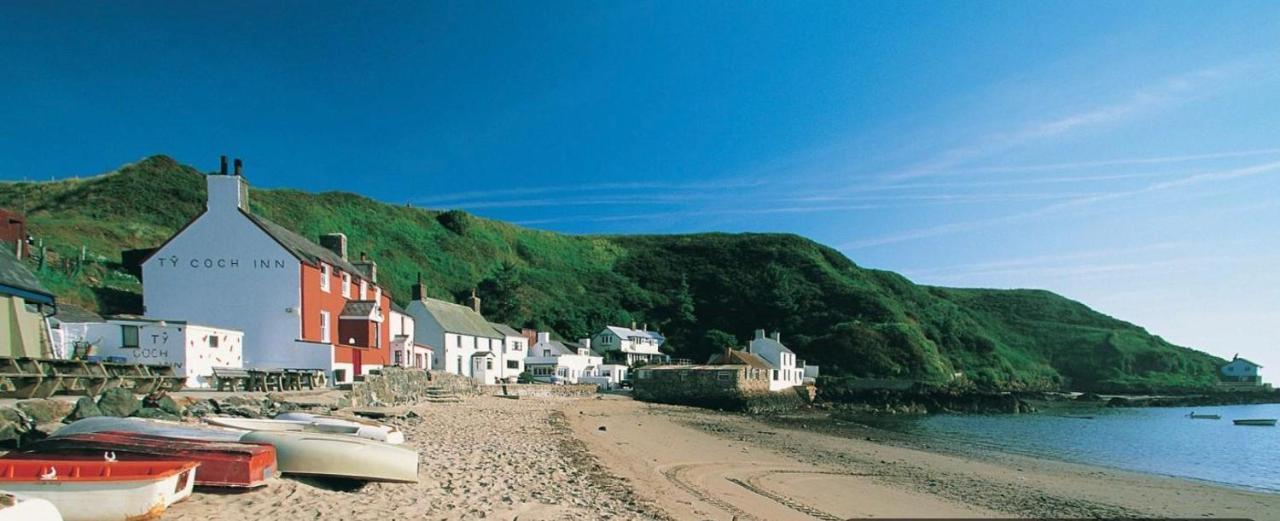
(541, 390)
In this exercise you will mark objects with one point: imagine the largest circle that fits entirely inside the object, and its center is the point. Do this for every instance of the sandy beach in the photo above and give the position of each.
(614, 458)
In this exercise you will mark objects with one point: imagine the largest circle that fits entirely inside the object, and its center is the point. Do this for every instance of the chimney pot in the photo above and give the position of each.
(777, 337)
(239, 165)
(759, 334)
(633, 324)
(645, 327)
(223, 169)
(544, 337)
(475, 301)
(336, 243)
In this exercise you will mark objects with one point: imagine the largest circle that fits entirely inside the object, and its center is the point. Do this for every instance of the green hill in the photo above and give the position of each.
(703, 291)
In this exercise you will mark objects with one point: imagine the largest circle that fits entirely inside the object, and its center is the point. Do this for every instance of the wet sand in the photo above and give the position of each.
(614, 458)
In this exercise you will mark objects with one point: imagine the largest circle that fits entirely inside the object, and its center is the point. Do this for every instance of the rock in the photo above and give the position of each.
(84, 408)
(9, 431)
(118, 402)
(45, 430)
(46, 411)
(156, 414)
(164, 403)
(200, 408)
(242, 411)
(602, 428)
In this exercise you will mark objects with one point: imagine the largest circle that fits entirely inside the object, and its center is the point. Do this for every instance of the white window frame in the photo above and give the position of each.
(325, 335)
(346, 284)
(364, 289)
(326, 272)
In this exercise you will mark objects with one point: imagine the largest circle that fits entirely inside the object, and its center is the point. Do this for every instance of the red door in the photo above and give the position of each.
(357, 365)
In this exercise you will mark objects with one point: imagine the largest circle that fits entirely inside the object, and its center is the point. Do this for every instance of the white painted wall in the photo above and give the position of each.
(224, 271)
(184, 346)
(514, 350)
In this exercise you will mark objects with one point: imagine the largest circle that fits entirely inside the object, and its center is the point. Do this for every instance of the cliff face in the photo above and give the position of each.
(703, 291)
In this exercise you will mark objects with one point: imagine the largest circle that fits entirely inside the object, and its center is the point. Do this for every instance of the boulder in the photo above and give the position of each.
(9, 431)
(84, 408)
(118, 402)
(46, 411)
(200, 408)
(153, 413)
(163, 402)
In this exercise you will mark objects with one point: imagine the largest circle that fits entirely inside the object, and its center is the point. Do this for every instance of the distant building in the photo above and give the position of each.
(1240, 370)
(557, 361)
(514, 350)
(25, 305)
(300, 305)
(455, 333)
(786, 370)
(13, 232)
(630, 346)
(405, 350)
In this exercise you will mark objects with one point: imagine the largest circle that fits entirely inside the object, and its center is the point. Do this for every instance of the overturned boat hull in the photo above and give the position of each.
(98, 490)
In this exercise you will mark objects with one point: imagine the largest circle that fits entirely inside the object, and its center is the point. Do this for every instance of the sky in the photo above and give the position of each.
(1124, 154)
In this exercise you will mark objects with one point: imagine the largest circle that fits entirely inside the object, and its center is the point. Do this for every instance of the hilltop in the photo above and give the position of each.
(702, 290)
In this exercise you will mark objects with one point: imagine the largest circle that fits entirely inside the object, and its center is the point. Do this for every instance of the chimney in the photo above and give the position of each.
(633, 324)
(239, 164)
(584, 348)
(645, 327)
(223, 170)
(544, 337)
(419, 290)
(369, 268)
(586, 343)
(475, 301)
(336, 243)
(759, 334)
(777, 337)
(227, 193)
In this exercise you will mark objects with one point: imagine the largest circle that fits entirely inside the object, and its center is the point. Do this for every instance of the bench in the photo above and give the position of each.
(231, 377)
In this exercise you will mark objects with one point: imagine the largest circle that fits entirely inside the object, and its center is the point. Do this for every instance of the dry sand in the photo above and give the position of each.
(548, 458)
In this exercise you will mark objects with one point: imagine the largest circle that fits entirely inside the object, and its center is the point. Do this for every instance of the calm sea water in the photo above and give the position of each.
(1156, 440)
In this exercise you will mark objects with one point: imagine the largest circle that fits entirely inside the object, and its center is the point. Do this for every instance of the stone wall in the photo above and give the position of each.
(732, 388)
(405, 386)
(541, 390)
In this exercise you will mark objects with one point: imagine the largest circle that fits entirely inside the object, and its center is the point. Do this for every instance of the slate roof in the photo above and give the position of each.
(1250, 362)
(771, 341)
(732, 356)
(505, 329)
(16, 279)
(359, 308)
(301, 247)
(396, 307)
(626, 332)
(454, 318)
(71, 313)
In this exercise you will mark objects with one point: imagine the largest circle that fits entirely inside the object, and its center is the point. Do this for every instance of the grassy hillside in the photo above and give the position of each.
(703, 291)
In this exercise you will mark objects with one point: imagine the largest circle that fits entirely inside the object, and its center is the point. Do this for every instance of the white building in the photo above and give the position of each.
(562, 362)
(193, 350)
(785, 370)
(405, 351)
(630, 345)
(1241, 370)
(514, 350)
(454, 332)
(299, 304)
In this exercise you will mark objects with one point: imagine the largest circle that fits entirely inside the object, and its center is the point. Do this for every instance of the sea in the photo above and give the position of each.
(1157, 440)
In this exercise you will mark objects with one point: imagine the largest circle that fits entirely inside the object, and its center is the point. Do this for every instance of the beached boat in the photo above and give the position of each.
(364, 428)
(19, 508)
(101, 490)
(312, 424)
(222, 463)
(1195, 416)
(1268, 422)
(338, 456)
(306, 453)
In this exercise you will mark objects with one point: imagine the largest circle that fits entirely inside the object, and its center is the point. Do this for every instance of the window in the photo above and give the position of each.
(213, 340)
(519, 346)
(364, 290)
(324, 326)
(128, 336)
(346, 284)
(513, 364)
(459, 338)
(488, 363)
(399, 355)
(325, 273)
(546, 352)
(723, 376)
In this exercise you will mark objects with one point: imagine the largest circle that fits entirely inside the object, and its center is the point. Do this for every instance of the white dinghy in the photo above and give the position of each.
(363, 428)
(314, 424)
(20, 508)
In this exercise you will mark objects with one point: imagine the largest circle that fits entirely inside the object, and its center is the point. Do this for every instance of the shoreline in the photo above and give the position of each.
(1001, 484)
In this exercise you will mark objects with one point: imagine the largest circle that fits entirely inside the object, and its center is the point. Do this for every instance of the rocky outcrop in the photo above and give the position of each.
(118, 402)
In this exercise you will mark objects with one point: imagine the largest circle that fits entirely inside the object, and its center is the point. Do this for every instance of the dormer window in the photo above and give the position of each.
(325, 273)
(346, 285)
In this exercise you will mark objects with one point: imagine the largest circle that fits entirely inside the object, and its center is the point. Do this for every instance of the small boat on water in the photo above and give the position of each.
(222, 463)
(308, 453)
(364, 428)
(101, 490)
(1195, 416)
(1259, 422)
(18, 508)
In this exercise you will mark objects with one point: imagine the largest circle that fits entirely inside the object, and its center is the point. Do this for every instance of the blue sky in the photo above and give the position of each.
(1123, 154)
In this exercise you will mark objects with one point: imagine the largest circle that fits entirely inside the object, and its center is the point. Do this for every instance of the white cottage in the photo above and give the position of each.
(785, 369)
(192, 349)
(514, 350)
(562, 362)
(454, 332)
(405, 351)
(1241, 370)
(630, 346)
